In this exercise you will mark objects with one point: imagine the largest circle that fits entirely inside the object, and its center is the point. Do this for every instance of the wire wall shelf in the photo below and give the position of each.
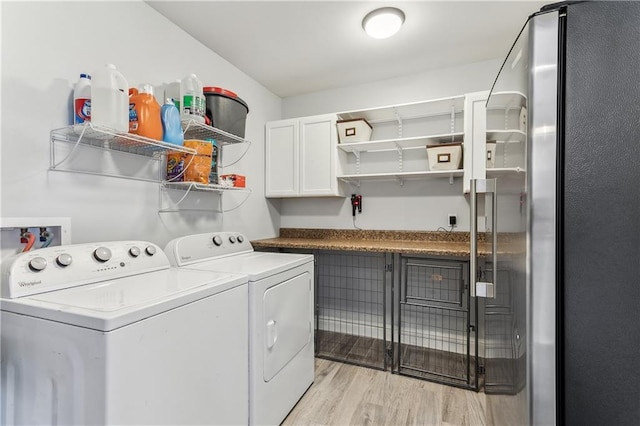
(200, 131)
(66, 156)
(195, 186)
(102, 137)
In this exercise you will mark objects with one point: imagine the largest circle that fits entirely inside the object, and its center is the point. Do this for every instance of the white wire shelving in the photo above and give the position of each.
(67, 142)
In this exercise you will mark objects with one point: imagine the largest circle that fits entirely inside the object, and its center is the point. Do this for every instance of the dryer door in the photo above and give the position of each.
(287, 322)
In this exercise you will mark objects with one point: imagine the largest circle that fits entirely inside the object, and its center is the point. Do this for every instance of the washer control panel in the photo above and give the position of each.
(56, 268)
(194, 248)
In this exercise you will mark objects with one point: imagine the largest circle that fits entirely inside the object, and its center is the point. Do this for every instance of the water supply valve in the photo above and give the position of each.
(23, 235)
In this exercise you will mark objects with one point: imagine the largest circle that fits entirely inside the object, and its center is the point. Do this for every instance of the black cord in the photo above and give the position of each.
(444, 229)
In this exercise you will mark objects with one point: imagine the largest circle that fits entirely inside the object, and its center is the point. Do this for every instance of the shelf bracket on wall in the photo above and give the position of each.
(506, 117)
(400, 180)
(451, 179)
(399, 120)
(453, 118)
(400, 157)
(357, 155)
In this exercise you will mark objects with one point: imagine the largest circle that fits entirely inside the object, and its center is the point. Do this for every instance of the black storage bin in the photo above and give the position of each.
(226, 110)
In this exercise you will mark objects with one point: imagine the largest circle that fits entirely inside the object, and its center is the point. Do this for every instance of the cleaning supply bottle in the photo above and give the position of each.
(202, 104)
(110, 99)
(171, 125)
(82, 99)
(144, 113)
(191, 99)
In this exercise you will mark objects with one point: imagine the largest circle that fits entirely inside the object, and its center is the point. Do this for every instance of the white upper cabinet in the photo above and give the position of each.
(282, 159)
(301, 158)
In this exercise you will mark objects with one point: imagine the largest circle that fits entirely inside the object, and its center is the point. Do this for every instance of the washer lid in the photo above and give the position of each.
(257, 265)
(115, 303)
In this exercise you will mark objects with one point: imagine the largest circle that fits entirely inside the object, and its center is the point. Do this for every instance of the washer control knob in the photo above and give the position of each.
(232, 239)
(151, 250)
(102, 254)
(37, 264)
(134, 251)
(240, 239)
(217, 240)
(64, 260)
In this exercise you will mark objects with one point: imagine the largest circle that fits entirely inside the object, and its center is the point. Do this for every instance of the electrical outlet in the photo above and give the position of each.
(453, 220)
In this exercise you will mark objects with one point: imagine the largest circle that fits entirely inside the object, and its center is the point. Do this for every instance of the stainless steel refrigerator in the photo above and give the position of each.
(577, 359)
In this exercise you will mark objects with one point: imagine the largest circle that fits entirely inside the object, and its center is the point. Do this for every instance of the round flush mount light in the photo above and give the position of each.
(383, 23)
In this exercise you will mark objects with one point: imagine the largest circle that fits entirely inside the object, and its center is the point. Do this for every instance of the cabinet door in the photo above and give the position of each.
(281, 159)
(318, 156)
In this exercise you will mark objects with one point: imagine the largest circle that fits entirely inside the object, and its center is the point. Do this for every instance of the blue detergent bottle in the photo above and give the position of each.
(171, 125)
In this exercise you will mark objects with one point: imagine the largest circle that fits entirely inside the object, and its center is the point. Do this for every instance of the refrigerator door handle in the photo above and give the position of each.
(483, 186)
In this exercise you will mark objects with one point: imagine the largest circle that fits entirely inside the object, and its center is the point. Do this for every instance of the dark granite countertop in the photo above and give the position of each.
(455, 244)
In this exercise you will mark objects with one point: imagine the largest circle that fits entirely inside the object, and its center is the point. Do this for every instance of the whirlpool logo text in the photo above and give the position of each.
(29, 283)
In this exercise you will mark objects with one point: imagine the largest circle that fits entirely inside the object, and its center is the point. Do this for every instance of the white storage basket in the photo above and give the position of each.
(446, 156)
(356, 130)
(491, 154)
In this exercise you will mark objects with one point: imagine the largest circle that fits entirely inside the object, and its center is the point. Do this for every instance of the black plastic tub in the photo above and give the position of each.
(226, 110)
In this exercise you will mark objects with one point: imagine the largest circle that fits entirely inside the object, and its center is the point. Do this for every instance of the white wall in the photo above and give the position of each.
(434, 84)
(45, 46)
(417, 205)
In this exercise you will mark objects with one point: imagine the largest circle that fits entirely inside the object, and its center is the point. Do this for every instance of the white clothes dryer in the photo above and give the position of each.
(281, 307)
(110, 334)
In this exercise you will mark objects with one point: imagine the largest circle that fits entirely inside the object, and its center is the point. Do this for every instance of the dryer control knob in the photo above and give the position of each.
(37, 264)
(151, 250)
(102, 254)
(240, 239)
(64, 260)
(232, 239)
(217, 240)
(134, 251)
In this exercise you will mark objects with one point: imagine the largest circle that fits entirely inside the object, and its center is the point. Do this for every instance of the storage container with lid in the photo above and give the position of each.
(226, 110)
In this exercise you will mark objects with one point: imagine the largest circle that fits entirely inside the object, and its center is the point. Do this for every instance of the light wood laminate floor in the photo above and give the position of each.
(344, 394)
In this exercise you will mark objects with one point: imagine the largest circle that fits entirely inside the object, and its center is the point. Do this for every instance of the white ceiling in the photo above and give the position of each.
(297, 47)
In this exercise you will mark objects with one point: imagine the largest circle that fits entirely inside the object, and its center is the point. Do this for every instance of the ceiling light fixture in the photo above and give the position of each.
(383, 23)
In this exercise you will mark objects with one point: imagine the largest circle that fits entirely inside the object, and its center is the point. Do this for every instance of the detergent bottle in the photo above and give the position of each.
(171, 125)
(110, 99)
(144, 113)
(82, 99)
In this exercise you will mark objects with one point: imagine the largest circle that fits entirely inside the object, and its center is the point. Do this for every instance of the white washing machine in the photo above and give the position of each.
(281, 341)
(109, 333)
